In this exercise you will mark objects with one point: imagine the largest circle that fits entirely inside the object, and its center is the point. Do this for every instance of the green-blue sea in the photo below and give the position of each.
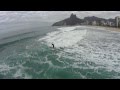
(80, 53)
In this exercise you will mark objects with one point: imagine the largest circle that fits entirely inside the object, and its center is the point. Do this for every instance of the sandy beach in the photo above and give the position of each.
(107, 28)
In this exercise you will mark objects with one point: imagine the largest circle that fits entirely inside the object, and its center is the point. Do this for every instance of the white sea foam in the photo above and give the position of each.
(4, 67)
(18, 73)
(101, 48)
(105, 54)
(64, 37)
(21, 74)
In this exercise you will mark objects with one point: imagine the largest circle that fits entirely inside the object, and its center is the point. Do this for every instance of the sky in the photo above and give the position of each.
(51, 16)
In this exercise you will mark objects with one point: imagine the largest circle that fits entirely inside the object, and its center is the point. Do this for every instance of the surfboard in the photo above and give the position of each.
(58, 49)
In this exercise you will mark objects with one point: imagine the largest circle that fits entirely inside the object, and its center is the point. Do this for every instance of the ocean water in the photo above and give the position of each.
(80, 52)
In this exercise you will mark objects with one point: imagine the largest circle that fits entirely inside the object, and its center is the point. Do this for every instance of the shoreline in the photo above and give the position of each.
(105, 27)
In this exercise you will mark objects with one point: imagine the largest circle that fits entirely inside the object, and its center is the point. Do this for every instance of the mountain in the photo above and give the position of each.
(111, 20)
(93, 18)
(72, 20)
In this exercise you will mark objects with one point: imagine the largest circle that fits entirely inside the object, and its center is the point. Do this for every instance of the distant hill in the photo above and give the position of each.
(74, 20)
(93, 18)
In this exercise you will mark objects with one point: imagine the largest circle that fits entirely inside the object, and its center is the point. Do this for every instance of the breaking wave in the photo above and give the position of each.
(64, 37)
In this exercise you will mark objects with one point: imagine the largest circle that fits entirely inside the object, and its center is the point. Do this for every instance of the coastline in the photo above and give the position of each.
(105, 27)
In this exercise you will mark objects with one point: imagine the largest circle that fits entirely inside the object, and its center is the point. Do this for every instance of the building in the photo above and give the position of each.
(87, 22)
(109, 23)
(117, 21)
(112, 24)
(102, 23)
(94, 23)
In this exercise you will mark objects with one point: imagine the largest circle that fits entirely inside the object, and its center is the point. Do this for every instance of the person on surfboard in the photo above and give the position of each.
(53, 45)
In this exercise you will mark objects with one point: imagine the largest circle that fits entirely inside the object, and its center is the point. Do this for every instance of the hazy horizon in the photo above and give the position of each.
(51, 16)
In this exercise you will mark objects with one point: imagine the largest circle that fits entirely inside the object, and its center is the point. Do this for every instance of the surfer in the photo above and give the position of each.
(53, 45)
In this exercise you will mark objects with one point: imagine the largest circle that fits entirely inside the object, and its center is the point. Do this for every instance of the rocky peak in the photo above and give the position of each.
(73, 16)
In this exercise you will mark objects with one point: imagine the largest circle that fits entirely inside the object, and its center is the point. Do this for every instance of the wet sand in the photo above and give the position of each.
(107, 28)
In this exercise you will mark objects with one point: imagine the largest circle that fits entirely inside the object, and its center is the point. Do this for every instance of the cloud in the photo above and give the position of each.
(51, 16)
